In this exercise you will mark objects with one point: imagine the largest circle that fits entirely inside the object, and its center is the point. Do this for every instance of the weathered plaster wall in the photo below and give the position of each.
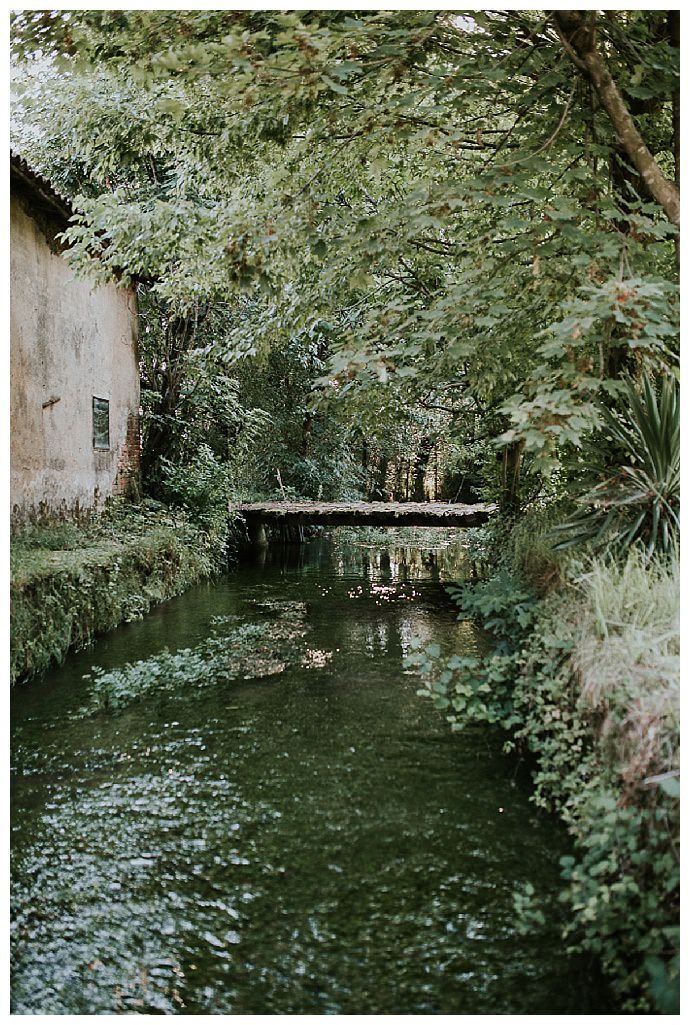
(71, 343)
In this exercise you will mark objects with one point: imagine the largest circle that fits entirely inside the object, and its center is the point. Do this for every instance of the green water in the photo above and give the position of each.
(310, 840)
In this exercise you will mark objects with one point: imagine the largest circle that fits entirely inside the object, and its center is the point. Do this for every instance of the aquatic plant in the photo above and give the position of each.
(243, 651)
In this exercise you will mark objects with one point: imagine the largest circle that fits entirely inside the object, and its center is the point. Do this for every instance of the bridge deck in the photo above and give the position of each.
(355, 514)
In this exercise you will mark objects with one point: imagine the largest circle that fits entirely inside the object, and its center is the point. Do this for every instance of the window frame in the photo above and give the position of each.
(97, 436)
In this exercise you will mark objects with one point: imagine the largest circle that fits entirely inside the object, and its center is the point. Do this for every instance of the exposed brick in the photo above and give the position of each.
(127, 478)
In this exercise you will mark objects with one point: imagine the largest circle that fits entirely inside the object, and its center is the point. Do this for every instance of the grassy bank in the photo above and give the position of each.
(584, 673)
(70, 583)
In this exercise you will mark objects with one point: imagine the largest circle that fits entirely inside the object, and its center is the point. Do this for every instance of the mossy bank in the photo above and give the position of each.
(71, 582)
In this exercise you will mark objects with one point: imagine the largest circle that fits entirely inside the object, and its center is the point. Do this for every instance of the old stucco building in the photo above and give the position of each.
(73, 367)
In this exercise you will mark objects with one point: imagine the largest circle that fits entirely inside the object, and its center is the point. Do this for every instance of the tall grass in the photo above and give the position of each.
(528, 549)
(627, 659)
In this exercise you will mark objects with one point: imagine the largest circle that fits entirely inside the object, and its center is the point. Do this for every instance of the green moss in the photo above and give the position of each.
(69, 584)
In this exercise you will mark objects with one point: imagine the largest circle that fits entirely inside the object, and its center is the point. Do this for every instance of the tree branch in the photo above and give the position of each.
(578, 38)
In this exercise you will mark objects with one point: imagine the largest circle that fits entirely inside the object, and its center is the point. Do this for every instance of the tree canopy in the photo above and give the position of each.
(471, 218)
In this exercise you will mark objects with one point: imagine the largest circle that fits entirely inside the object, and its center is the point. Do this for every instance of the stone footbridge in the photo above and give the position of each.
(258, 515)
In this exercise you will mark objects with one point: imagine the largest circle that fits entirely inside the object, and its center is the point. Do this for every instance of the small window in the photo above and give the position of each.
(101, 423)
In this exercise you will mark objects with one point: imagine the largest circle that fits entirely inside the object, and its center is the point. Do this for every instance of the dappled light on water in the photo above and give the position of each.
(245, 807)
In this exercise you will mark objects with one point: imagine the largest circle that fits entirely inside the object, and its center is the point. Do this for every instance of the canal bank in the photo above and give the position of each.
(581, 668)
(72, 582)
(293, 831)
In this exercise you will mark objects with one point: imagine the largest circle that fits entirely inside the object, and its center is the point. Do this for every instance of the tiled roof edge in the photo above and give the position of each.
(46, 192)
(44, 188)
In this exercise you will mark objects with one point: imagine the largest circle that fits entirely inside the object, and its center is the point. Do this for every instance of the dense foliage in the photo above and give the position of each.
(440, 216)
(407, 254)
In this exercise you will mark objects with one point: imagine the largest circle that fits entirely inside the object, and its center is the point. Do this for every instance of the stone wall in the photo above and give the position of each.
(69, 344)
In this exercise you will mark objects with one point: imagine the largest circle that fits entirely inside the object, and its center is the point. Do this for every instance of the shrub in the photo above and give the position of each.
(201, 487)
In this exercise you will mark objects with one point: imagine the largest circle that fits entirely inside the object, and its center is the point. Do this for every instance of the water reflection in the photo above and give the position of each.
(429, 555)
(316, 841)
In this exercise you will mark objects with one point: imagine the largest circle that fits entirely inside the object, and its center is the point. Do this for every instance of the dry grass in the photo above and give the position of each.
(627, 660)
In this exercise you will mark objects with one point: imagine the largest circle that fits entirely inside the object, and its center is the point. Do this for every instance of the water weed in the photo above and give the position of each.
(238, 651)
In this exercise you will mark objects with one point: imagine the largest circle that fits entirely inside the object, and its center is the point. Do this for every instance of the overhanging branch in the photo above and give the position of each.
(577, 35)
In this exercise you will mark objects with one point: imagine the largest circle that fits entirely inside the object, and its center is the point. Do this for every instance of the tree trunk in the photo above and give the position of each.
(510, 477)
(674, 31)
(306, 435)
(577, 31)
(161, 440)
(398, 484)
(421, 463)
(379, 491)
(365, 454)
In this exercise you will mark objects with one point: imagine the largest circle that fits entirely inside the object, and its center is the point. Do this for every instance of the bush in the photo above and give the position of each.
(202, 488)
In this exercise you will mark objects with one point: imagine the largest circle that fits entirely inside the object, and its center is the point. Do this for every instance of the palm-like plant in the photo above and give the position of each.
(641, 499)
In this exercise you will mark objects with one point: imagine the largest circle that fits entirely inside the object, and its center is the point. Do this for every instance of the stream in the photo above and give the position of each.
(247, 808)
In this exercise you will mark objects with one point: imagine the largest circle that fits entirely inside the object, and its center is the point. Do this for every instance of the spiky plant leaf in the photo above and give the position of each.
(641, 500)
